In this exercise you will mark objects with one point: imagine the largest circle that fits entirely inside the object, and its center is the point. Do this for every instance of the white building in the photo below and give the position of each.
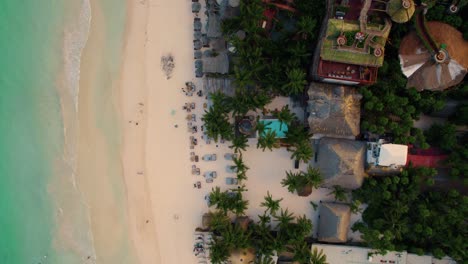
(383, 158)
(338, 254)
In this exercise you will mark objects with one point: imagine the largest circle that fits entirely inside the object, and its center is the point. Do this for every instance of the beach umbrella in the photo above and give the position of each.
(436, 69)
(197, 35)
(196, 7)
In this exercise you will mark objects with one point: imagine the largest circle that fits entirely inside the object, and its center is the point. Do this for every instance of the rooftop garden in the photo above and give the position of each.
(337, 27)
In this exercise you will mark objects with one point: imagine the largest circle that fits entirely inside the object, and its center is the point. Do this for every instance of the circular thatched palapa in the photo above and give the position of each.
(242, 256)
(426, 71)
(341, 40)
(400, 11)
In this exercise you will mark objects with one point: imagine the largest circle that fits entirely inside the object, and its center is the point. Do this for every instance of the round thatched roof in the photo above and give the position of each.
(242, 256)
(400, 11)
(424, 72)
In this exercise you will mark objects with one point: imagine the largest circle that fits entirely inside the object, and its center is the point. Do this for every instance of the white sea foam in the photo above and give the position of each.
(76, 36)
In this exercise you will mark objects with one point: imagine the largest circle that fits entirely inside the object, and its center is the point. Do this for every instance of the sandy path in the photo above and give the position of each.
(133, 99)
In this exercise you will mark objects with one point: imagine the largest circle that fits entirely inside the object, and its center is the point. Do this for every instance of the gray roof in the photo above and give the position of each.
(334, 222)
(211, 85)
(218, 64)
(213, 26)
(334, 110)
(341, 162)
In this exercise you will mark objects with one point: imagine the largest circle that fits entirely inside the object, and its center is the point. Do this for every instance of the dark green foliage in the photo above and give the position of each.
(239, 143)
(461, 115)
(228, 201)
(217, 124)
(297, 181)
(442, 136)
(400, 216)
(302, 151)
(268, 140)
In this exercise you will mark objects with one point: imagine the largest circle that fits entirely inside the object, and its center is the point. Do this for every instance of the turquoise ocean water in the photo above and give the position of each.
(33, 165)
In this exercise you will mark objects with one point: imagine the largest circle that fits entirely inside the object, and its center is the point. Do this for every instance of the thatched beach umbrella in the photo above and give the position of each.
(400, 11)
(437, 71)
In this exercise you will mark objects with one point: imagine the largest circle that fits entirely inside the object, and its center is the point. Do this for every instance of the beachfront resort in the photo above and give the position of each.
(305, 132)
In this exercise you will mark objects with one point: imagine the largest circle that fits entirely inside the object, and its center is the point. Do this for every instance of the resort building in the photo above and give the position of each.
(334, 221)
(341, 162)
(340, 254)
(334, 111)
(385, 158)
(352, 42)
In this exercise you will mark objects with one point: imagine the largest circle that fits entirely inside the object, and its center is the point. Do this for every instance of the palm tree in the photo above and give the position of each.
(317, 257)
(284, 218)
(218, 221)
(239, 143)
(304, 226)
(303, 152)
(304, 182)
(296, 134)
(301, 251)
(268, 141)
(240, 168)
(291, 181)
(271, 204)
(219, 251)
(261, 126)
(285, 116)
(306, 26)
(296, 81)
(217, 125)
(339, 193)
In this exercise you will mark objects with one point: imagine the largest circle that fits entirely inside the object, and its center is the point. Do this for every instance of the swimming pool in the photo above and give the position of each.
(275, 125)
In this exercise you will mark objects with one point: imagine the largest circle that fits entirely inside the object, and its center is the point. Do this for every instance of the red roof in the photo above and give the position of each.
(431, 157)
(269, 13)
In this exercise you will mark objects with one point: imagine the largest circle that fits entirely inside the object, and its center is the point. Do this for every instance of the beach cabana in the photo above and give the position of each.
(335, 110)
(196, 7)
(217, 64)
(334, 222)
(341, 162)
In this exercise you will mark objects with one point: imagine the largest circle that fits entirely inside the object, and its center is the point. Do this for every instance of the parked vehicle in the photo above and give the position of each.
(209, 157)
(231, 181)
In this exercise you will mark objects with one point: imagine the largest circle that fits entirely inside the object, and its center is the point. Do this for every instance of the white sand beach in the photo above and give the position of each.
(162, 209)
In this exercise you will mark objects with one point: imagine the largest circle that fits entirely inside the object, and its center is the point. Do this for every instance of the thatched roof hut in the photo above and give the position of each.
(334, 222)
(400, 11)
(341, 162)
(242, 256)
(334, 110)
(420, 65)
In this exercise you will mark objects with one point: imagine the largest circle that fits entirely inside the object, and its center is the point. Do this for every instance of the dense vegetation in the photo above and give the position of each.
(401, 215)
(277, 230)
(439, 13)
(388, 106)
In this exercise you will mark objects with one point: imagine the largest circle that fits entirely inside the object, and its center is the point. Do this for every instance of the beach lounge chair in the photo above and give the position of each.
(209, 180)
(197, 24)
(196, 7)
(210, 174)
(231, 168)
(230, 156)
(197, 44)
(197, 55)
(231, 181)
(197, 35)
(209, 157)
(198, 73)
